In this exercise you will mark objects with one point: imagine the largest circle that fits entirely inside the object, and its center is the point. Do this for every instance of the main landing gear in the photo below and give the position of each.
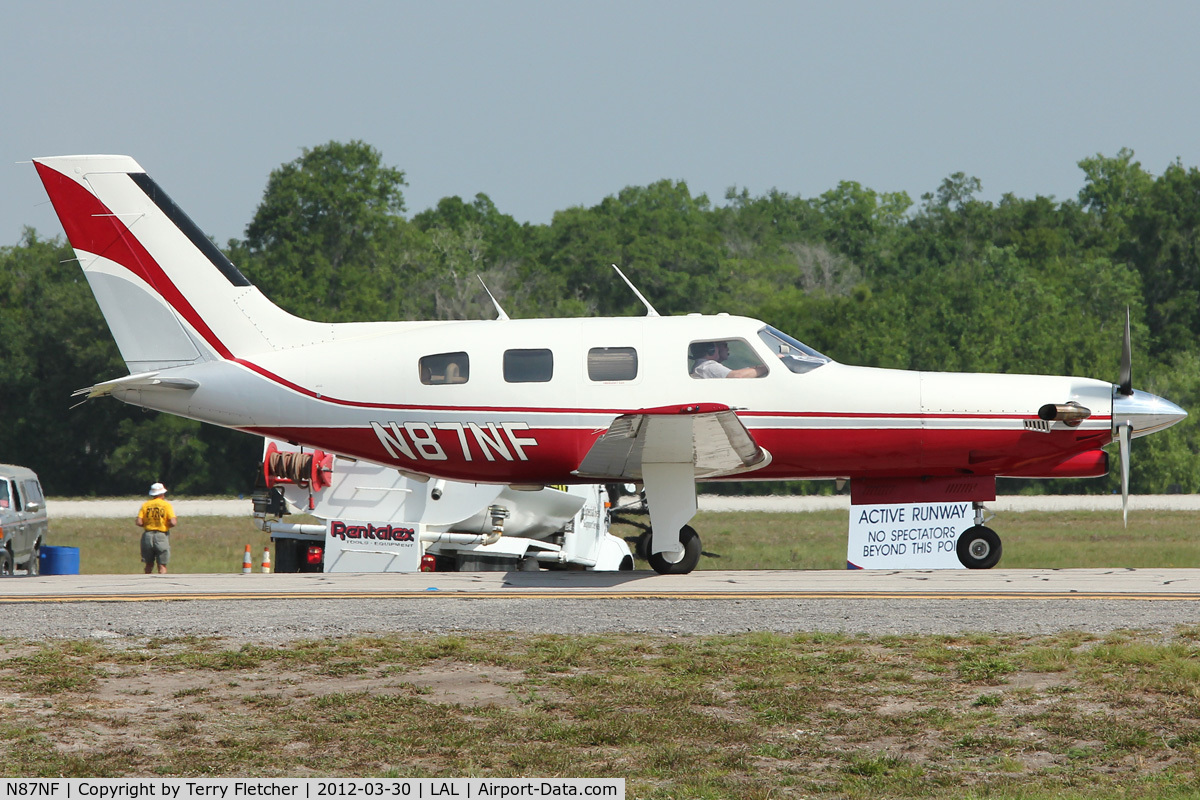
(632, 513)
(979, 546)
(684, 562)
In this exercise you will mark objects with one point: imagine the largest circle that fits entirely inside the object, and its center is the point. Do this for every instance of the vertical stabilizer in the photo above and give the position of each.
(169, 295)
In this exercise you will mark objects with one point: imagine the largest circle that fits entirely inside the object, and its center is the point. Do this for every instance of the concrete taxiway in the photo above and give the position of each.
(1129, 584)
(282, 608)
(262, 609)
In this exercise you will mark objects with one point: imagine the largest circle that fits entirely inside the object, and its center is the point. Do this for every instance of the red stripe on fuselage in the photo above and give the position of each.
(796, 453)
(556, 455)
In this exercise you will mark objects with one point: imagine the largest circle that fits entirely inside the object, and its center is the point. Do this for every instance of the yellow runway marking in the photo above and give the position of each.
(551, 594)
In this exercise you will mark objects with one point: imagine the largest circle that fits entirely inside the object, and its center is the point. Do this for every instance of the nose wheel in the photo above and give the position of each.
(979, 548)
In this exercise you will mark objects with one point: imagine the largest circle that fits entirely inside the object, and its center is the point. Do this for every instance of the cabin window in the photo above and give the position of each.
(5, 494)
(528, 366)
(612, 364)
(445, 368)
(724, 358)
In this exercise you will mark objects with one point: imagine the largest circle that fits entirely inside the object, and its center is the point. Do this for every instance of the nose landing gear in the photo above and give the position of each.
(979, 546)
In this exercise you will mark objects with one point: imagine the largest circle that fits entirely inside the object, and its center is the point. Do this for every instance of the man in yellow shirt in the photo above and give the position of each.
(156, 518)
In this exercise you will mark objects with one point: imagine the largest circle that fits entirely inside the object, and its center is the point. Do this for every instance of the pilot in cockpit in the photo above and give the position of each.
(709, 358)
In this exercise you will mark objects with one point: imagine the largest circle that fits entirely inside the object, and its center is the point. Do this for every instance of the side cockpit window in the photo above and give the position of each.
(528, 366)
(724, 358)
(612, 364)
(445, 368)
(794, 354)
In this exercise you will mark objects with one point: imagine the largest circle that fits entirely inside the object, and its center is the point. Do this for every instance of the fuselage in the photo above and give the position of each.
(526, 399)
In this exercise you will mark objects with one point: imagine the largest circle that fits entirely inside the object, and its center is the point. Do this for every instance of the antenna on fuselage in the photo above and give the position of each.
(650, 312)
(500, 315)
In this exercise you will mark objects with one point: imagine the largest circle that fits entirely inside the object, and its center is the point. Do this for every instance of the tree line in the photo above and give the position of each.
(949, 282)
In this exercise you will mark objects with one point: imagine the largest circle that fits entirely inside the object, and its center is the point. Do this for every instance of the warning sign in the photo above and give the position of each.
(907, 535)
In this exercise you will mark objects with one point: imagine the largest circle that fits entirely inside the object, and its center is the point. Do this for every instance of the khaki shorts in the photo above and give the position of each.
(156, 546)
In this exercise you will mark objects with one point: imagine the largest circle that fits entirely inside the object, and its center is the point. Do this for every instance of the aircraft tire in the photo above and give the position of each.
(690, 558)
(979, 548)
(34, 565)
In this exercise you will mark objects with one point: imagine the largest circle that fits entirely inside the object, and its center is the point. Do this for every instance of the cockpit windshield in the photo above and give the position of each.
(795, 355)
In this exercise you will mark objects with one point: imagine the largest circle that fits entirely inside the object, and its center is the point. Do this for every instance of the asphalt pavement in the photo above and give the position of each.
(282, 608)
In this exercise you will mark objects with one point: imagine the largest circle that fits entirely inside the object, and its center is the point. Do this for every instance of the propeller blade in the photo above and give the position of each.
(1125, 381)
(1124, 433)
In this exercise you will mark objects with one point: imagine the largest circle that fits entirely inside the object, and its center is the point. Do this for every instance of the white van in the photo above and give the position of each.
(23, 522)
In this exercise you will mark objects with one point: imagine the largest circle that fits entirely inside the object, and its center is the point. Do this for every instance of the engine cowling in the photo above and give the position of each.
(1092, 464)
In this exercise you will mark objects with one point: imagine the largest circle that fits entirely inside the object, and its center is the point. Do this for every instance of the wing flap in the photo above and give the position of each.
(710, 437)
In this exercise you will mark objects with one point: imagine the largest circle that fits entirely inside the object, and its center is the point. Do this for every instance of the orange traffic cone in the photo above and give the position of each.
(246, 563)
(266, 567)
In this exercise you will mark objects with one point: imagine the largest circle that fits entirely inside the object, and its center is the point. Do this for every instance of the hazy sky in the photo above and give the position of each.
(547, 105)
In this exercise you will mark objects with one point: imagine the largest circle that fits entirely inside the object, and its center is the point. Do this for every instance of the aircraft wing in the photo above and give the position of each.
(707, 436)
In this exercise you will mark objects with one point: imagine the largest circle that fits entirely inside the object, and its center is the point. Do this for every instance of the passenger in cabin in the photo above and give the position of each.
(709, 358)
(444, 368)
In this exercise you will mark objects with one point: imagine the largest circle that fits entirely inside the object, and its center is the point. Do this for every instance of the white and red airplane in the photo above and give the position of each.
(550, 401)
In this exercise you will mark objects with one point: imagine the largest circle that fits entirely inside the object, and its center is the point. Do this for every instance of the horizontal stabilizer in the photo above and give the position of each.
(708, 436)
(143, 380)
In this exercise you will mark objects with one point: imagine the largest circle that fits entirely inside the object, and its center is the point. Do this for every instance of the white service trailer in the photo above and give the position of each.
(371, 518)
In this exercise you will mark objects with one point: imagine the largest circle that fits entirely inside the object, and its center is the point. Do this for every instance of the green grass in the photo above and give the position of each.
(198, 544)
(740, 716)
(732, 540)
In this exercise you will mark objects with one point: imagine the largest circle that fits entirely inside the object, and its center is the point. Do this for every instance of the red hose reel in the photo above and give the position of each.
(307, 470)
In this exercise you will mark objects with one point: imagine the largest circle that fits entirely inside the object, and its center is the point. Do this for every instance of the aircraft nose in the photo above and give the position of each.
(1146, 413)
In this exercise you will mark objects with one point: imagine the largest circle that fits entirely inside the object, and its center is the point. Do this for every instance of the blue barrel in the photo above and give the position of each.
(59, 560)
